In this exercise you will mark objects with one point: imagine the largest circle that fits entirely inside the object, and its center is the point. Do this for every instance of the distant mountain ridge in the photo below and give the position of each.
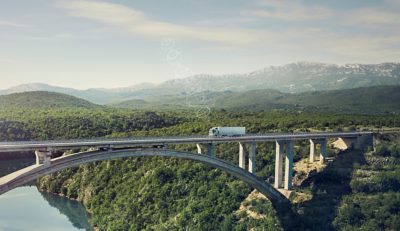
(291, 78)
(364, 100)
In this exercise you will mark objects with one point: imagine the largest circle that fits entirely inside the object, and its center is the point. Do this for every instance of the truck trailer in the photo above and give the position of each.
(227, 131)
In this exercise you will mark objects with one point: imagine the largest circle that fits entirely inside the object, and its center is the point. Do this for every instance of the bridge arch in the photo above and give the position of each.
(33, 172)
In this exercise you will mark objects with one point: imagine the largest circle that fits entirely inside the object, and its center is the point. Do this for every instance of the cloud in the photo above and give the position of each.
(371, 17)
(289, 11)
(347, 48)
(393, 2)
(13, 24)
(385, 14)
(5, 60)
(137, 23)
(360, 39)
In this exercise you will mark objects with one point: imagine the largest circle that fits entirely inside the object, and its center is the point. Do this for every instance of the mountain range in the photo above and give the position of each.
(291, 78)
(365, 100)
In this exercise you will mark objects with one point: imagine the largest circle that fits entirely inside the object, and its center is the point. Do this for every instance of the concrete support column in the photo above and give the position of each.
(198, 148)
(210, 150)
(278, 164)
(43, 157)
(289, 165)
(322, 155)
(252, 157)
(312, 150)
(242, 155)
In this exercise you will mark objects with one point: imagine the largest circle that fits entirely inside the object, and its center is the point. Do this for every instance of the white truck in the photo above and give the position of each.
(227, 131)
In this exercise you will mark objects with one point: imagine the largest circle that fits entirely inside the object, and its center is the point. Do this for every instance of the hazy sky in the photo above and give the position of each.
(88, 43)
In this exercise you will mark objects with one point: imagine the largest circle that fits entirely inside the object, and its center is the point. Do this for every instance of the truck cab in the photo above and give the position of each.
(213, 131)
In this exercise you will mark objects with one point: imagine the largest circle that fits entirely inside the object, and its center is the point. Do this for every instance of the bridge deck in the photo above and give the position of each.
(148, 141)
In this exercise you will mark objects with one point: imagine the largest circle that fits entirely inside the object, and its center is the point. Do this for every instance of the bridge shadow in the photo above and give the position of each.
(327, 189)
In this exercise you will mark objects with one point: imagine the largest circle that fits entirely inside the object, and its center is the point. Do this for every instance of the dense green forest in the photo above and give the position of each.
(173, 194)
(374, 201)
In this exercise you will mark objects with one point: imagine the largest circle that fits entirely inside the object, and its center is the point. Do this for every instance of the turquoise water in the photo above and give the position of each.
(27, 209)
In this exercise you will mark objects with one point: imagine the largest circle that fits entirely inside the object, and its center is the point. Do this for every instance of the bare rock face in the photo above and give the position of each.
(340, 144)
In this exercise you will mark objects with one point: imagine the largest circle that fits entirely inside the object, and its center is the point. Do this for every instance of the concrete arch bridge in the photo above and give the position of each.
(134, 147)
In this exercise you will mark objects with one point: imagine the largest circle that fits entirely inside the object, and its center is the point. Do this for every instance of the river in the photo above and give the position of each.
(27, 209)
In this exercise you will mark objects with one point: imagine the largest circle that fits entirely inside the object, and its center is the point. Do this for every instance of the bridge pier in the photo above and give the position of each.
(209, 148)
(313, 150)
(198, 148)
(43, 157)
(280, 145)
(252, 157)
(322, 155)
(289, 165)
(242, 155)
(278, 163)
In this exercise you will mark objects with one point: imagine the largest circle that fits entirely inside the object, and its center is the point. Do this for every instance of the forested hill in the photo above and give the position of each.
(380, 99)
(43, 100)
(367, 100)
